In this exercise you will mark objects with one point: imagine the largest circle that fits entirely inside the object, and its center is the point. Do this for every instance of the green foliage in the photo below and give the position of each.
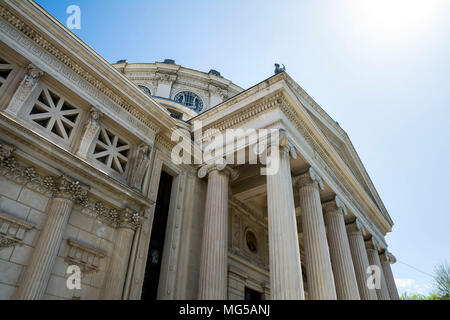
(442, 280)
(441, 285)
(433, 296)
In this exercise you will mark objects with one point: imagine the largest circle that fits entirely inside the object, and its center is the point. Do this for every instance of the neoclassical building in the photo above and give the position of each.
(87, 180)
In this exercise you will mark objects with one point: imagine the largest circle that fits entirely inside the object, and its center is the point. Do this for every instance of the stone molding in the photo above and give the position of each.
(87, 258)
(221, 167)
(12, 230)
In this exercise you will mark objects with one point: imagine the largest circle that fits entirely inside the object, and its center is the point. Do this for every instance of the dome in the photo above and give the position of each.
(184, 92)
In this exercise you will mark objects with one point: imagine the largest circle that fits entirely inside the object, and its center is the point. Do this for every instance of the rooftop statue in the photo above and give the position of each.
(279, 69)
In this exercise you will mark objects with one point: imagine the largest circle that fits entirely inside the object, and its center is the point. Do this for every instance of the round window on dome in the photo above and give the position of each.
(190, 100)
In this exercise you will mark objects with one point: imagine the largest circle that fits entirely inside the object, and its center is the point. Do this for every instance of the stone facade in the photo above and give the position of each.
(85, 153)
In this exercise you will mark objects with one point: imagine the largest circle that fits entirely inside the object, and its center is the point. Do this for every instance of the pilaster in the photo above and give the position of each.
(129, 221)
(24, 90)
(35, 278)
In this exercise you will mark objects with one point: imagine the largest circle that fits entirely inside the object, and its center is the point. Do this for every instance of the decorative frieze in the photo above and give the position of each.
(87, 258)
(12, 230)
(62, 186)
(129, 218)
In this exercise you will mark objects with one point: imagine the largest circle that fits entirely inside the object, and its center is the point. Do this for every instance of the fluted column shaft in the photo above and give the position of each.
(389, 277)
(117, 269)
(34, 281)
(341, 257)
(318, 264)
(374, 260)
(284, 253)
(360, 261)
(214, 259)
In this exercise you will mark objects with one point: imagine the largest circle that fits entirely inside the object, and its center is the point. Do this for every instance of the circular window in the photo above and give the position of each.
(252, 243)
(189, 100)
(146, 90)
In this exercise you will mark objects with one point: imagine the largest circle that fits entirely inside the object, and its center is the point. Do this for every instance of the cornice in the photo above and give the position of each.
(105, 79)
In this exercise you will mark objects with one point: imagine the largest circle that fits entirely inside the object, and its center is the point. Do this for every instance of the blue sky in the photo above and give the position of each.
(379, 68)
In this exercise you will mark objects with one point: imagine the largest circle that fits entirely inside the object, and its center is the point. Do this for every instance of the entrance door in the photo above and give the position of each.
(252, 295)
(155, 251)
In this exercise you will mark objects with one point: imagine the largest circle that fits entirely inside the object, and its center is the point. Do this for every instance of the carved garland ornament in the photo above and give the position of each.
(63, 186)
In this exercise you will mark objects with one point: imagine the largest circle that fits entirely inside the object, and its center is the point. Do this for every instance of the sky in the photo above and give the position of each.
(380, 68)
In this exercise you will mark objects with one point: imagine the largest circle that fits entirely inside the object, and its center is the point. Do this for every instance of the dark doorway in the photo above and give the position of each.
(155, 251)
(252, 295)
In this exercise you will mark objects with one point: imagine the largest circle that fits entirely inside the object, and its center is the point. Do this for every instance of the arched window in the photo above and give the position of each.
(189, 100)
(146, 90)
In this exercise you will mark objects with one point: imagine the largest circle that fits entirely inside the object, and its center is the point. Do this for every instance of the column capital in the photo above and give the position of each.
(372, 244)
(95, 114)
(310, 177)
(223, 167)
(282, 140)
(335, 205)
(386, 256)
(33, 74)
(129, 218)
(355, 227)
(71, 189)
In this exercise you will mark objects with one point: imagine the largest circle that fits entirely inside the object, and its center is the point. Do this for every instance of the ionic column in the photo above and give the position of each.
(374, 260)
(387, 259)
(24, 90)
(318, 264)
(341, 257)
(90, 132)
(128, 222)
(284, 254)
(360, 260)
(214, 255)
(35, 278)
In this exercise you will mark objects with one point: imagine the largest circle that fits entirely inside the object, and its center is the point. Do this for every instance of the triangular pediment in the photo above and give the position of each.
(338, 139)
